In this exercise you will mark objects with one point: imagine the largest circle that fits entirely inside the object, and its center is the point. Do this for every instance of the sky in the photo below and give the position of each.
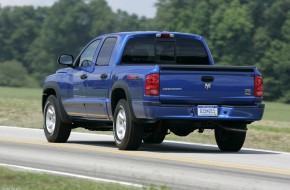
(139, 7)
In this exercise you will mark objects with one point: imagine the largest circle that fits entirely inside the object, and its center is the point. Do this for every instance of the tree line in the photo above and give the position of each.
(238, 32)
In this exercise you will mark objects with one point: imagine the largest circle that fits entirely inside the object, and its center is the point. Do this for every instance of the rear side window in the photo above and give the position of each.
(144, 50)
(139, 50)
(106, 51)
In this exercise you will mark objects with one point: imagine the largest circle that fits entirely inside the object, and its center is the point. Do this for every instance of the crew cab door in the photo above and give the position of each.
(98, 82)
(84, 65)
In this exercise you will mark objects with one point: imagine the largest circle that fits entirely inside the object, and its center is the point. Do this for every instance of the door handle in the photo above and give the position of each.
(207, 79)
(104, 76)
(84, 76)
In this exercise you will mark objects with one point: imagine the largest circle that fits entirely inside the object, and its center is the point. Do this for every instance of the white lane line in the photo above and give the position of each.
(170, 141)
(72, 175)
(74, 132)
(19, 128)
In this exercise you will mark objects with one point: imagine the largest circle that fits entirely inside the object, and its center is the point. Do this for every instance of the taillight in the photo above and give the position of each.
(258, 86)
(152, 85)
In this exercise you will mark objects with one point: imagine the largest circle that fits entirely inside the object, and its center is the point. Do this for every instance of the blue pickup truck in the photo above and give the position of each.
(145, 85)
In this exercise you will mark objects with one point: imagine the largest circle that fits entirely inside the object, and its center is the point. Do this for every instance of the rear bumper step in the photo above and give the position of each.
(155, 111)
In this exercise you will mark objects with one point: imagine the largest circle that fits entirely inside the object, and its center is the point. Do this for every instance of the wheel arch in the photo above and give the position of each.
(51, 88)
(120, 90)
(45, 94)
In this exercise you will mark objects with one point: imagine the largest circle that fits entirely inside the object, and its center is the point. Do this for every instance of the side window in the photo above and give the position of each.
(86, 59)
(106, 51)
(139, 50)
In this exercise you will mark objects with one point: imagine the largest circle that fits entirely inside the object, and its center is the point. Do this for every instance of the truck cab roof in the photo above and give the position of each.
(137, 33)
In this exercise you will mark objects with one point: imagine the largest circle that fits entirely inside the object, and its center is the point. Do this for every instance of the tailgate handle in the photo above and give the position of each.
(207, 79)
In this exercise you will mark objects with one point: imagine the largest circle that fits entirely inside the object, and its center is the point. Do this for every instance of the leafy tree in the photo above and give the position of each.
(13, 73)
(271, 42)
(239, 32)
(231, 30)
(66, 33)
(19, 27)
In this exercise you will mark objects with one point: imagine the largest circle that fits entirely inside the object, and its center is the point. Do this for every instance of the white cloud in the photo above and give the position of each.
(139, 7)
(26, 2)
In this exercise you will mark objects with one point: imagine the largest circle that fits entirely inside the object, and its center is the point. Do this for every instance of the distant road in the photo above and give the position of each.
(174, 164)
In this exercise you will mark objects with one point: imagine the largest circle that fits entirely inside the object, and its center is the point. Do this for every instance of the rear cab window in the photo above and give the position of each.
(106, 51)
(170, 50)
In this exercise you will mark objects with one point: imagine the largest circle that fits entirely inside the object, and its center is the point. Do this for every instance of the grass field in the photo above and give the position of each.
(20, 180)
(12, 179)
(21, 107)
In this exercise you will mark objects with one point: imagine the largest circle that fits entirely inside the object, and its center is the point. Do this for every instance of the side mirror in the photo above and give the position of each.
(65, 60)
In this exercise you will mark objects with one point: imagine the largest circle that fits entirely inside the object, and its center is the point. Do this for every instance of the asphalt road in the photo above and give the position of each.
(176, 165)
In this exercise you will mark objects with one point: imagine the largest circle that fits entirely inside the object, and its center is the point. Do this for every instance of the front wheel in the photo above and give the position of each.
(54, 128)
(128, 135)
(231, 141)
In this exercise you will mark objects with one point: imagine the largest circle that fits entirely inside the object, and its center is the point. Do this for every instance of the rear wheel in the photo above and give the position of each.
(231, 141)
(128, 135)
(54, 128)
(155, 137)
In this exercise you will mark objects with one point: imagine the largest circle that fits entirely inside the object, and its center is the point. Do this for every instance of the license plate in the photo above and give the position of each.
(207, 110)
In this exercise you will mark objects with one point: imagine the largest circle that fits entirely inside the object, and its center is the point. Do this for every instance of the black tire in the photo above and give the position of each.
(128, 135)
(229, 141)
(61, 131)
(154, 138)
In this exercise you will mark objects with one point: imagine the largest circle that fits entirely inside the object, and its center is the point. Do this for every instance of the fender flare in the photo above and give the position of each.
(124, 86)
(54, 86)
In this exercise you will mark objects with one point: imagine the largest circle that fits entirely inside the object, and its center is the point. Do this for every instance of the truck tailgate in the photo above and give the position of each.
(207, 85)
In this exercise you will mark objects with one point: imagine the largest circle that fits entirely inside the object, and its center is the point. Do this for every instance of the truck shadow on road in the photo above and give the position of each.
(172, 147)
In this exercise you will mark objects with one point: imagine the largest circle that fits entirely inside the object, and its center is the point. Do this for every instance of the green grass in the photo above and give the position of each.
(282, 130)
(23, 180)
(13, 179)
(277, 112)
(22, 107)
(20, 113)
(21, 93)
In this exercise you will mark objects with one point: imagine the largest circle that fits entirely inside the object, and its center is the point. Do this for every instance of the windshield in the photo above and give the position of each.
(142, 50)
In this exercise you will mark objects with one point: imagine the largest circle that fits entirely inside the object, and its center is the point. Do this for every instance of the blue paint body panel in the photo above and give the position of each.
(181, 89)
